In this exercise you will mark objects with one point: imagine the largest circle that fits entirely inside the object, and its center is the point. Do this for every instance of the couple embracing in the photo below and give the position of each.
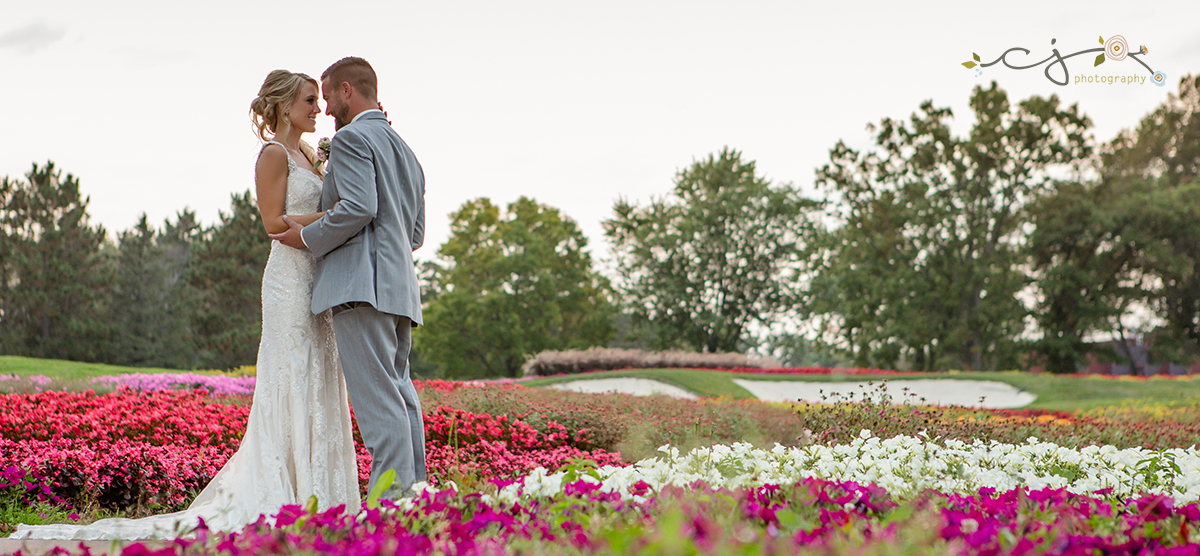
(340, 298)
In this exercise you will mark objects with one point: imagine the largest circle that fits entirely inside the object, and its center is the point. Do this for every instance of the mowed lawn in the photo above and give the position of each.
(68, 370)
(1064, 393)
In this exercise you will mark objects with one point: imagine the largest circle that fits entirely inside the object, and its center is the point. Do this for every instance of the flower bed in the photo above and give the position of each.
(966, 486)
(464, 444)
(631, 425)
(138, 451)
(1153, 426)
(906, 466)
(585, 516)
(217, 385)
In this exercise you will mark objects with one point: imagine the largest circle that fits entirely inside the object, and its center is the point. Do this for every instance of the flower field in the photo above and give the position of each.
(530, 471)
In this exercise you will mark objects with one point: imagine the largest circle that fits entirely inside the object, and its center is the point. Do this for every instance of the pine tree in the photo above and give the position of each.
(226, 271)
(52, 269)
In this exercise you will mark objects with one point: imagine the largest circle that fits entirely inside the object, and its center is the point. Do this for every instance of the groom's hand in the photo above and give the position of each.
(291, 238)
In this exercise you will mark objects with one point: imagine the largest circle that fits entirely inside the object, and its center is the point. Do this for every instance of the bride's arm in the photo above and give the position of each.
(270, 179)
(304, 219)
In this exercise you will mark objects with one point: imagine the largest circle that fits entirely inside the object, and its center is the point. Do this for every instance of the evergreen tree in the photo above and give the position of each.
(151, 304)
(176, 244)
(52, 269)
(226, 271)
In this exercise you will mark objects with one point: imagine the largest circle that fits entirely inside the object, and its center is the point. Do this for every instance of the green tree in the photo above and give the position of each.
(1088, 251)
(924, 262)
(52, 269)
(151, 304)
(723, 252)
(138, 297)
(1162, 156)
(514, 283)
(226, 270)
(176, 243)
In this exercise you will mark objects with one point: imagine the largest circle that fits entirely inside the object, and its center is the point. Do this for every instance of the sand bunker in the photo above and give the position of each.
(995, 395)
(948, 391)
(635, 386)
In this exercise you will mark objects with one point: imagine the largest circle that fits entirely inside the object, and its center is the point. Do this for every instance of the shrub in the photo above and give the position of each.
(605, 359)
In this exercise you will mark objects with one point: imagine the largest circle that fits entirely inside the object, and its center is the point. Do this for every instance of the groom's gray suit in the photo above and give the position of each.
(365, 273)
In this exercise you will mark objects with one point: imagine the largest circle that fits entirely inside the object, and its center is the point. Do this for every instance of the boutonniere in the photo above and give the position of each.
(323, 147)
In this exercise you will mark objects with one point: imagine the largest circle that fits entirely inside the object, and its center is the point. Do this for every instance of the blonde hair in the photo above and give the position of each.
(279, 86)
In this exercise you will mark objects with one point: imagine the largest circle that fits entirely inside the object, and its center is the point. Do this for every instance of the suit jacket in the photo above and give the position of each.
(364, 244)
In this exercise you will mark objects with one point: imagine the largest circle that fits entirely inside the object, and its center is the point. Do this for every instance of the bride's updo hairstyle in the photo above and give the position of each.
(278, 92)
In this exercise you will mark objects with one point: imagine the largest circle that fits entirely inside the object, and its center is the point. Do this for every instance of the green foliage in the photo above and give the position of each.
(226, 269)
(1159, 470)
(152, 303)
(723, 252)
(923, 265)
(1086, 250)
(1102, 248)
(1161, 160)
(515, 283)
(180, 298)
(795, 350)
(381, 486)
(52, 275)
(14, 510)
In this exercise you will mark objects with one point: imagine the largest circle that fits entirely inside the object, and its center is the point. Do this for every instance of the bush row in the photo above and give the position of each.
(606, 359)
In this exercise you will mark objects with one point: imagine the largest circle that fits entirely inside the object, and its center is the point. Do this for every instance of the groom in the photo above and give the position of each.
(374, 196)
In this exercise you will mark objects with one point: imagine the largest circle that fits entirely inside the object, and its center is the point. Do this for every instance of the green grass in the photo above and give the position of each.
(1053, 392)
(14, 509)
(67, 370)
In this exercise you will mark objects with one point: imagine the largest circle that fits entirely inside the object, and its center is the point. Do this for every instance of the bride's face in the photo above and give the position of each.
(304, 110)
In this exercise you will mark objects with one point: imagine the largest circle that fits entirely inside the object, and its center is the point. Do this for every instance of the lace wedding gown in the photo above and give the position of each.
(298, 441)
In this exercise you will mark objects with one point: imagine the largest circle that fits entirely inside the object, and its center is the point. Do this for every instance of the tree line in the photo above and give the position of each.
(180, 296)
(1004, 248)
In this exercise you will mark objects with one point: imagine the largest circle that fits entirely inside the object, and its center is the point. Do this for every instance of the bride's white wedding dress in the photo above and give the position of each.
(298, 440)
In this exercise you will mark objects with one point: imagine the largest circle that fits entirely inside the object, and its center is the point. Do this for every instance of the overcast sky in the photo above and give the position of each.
(574, 104)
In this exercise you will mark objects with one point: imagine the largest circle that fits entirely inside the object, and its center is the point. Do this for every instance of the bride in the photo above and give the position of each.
(298, 441)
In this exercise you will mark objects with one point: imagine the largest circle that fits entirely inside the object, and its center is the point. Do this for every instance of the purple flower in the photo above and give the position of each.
(218, 385)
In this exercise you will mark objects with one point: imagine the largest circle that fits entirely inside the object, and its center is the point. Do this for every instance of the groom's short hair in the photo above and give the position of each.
(355, 71)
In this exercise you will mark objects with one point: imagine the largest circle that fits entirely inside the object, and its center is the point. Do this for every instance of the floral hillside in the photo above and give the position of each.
(153, 450)
(524, 470)
(629, 511)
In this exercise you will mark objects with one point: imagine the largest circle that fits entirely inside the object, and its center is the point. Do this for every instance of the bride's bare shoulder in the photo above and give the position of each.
(271, 170)
(272, 153)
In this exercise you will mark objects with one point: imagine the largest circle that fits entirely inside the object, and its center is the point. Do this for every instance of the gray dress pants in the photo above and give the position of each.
(374, 350)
